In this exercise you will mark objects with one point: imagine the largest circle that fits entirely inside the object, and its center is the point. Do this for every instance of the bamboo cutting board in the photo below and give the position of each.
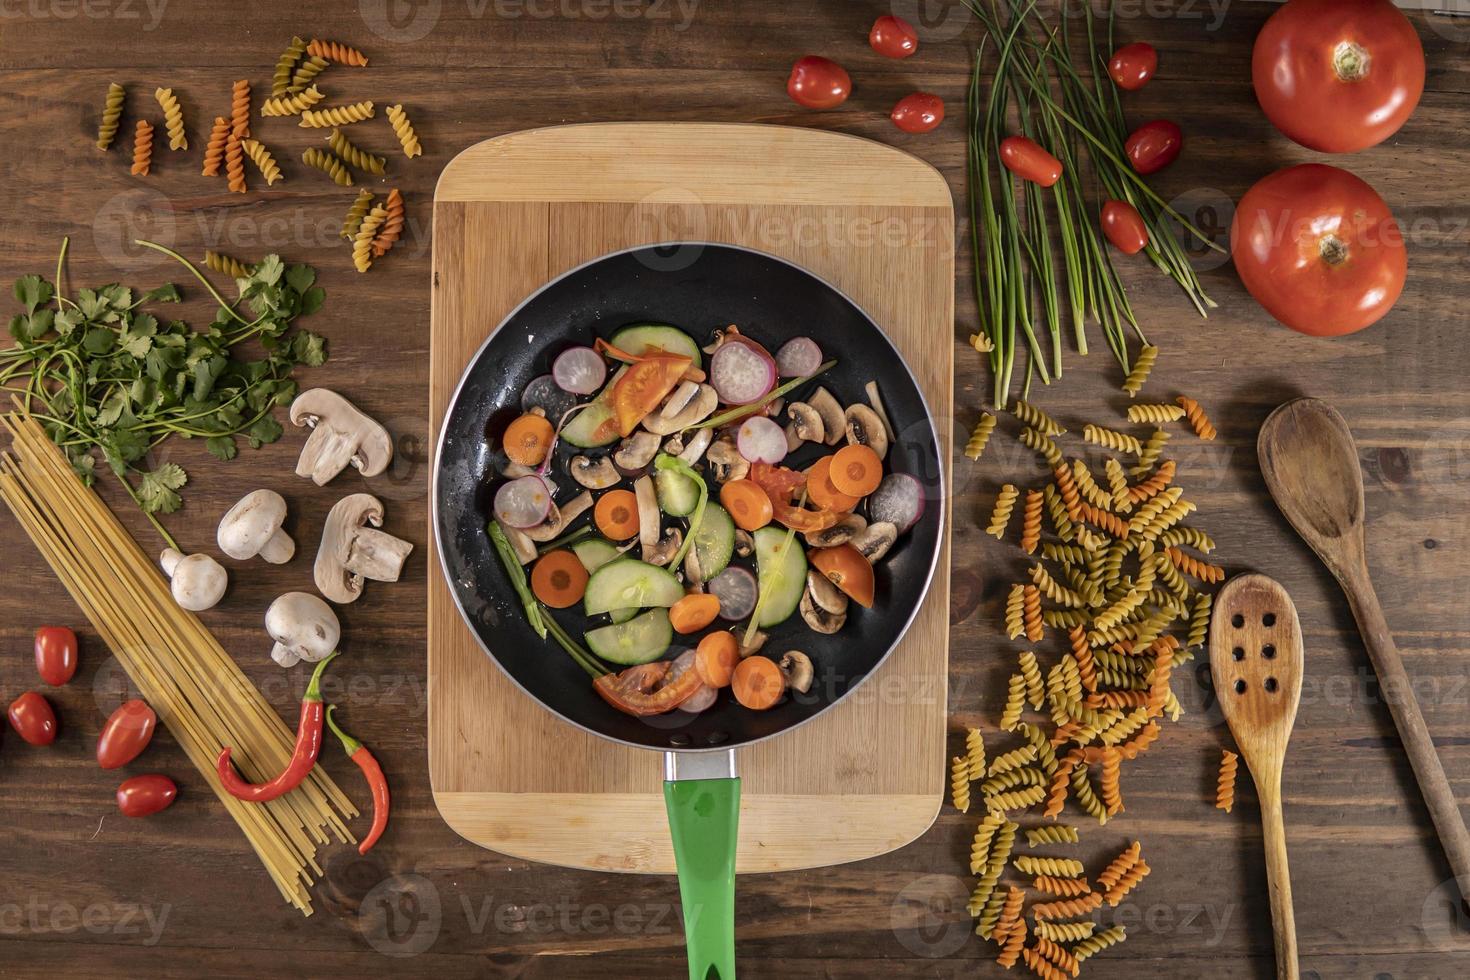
(514, 212)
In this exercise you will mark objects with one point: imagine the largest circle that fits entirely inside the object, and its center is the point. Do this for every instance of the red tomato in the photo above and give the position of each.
(126, 734)
(143, 796)
(1027, 160)
(893, 37)
(918, 113)
(1132, 65)
(818, 83)
(1318, 248)
(56, 654)
(33, 718)
(1124, 227)
(1154, 145)
(1338, 75)
(642, 386)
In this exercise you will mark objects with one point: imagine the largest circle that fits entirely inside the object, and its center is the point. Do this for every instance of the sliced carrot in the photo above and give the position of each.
(694, 612)
(616, 514)
(847, 569)
(856, 470)
(823, 493)
(558, 578)
(758, 683)
(528, 439)
(747, 503)
(716, 658)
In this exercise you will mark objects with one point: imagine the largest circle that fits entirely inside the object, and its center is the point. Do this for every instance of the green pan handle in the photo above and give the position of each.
(704, 819)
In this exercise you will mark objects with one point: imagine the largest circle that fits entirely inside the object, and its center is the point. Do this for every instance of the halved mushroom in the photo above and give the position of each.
(806, 422)
(793, 441)
(253, 527)
(693, 573)
(826, 595)
(690, 449)
(751, 642)
(667, 548)
(796, 667)
(649, 520)
(556, 522)
(725, 461)
(819, 619)
(833, 421)
(340, 434)
(840, 533)
(865, 428)
(352, 551)
(699, 408)
(197, 581)
(875, 540)
(594, 474)
(678, 399)
(744, 543)
(304, 628)
(636, 452)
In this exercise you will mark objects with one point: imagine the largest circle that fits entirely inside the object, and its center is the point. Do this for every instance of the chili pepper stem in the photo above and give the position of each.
(314, 689)
(350, 745)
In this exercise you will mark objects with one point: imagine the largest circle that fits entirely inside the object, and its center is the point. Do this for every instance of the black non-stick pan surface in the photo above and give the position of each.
(698, 288)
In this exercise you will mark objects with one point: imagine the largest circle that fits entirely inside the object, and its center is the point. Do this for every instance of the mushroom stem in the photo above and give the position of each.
(376, 555)
(279, 549)
(326, 453)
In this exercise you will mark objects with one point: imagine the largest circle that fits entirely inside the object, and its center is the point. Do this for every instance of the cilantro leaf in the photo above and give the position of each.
(265, 430)
(309, 349)
(33, 292)
(157, 489)
(300, 277)
(223, 447)
(167, 293)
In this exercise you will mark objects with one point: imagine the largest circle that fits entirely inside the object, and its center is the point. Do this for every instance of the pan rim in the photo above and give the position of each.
(942, 510)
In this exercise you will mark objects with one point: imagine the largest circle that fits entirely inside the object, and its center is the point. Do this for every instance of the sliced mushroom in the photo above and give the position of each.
(751, 642)
(636, 452)
(648, 515)
(716, 339)
(796, 667)
(744, 543)
(560, 518)
(693, 573)
(197, 581)
(865, 428)
(699, 408)
(819, 619)
(826, 595)
(875, 540)
(840, 533)
(678, 399)
(304, 628)
(523, 546)
(340, 434)
(807, 422)
(690, 450)
(353, 550)
(594, 474)
(793, 441)
(876, 400)
(834, 423)
(253, 527)
(725, 461)
(667, 548)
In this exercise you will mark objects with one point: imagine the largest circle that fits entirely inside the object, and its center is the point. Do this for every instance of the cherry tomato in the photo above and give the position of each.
(143, 796)
(126, 734)
(918, 113)
(1026, 159)
(1318, 248)
(56, 654)
(33, 718)
(818, 83)
(1132, 65)
(1154, 145)
(1124, 227)
(893, 37)
(1338, 75)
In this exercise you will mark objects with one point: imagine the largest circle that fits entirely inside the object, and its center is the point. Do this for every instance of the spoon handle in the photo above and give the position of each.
(1278, 878)
(1393, 682)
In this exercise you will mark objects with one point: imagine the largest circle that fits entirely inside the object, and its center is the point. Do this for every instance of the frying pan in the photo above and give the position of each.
(697, 287)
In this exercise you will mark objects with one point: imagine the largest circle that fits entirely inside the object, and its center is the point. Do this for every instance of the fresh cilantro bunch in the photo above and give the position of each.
(109, 379)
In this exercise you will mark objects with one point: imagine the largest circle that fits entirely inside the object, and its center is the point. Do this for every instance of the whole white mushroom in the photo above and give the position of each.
(304, 628)
(253, 527)
(197, 581)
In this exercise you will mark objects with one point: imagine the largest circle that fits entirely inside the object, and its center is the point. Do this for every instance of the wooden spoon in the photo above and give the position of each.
(1256, 660)
(1311, 467)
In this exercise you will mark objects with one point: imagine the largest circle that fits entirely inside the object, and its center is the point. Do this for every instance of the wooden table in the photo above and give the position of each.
(87, 892)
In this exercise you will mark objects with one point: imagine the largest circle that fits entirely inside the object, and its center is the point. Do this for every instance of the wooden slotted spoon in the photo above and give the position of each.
(1256, 661)
(1311, 467)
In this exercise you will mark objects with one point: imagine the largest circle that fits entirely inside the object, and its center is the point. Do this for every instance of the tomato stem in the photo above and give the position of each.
(1350, 61)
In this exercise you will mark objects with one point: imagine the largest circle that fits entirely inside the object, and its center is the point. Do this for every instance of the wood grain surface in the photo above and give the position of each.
(87, 893)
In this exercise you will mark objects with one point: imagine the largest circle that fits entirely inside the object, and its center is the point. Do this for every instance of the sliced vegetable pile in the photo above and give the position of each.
(688, 454)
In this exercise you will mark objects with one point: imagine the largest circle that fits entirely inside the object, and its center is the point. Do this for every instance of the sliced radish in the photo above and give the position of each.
(523, 503)
(798, 357)
(701, 700)
(761, 440)
(740, 373)
(736, 589)
(899, 500)
(580, 370)
(544, 393)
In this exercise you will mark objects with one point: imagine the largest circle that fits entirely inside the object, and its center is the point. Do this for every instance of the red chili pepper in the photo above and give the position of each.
(303, 758)
(376, 781)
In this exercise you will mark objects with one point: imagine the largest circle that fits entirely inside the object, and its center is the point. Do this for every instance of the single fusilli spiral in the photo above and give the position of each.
(1086, 798)
(226, 265)
(1013, 759)
(1056, 954)
(339, 53)
(1042, 443)
(142, 148)
(1040, 965)
(403, 129)
(1031, 522)
(1191, 536)
(1014, 779)
(1112, 793)
(1225, 785)
(305, 73)
(327, 164)
(290, 105)
(1000, 514)
(1152, 450)
(1061, 887)
(1031, 864)
(240, 109)
(1127, 883)
(1155, 484)
(980, 846)
(1071, 496)
(975, 752)
(111, 113)
(990, 915)
(1195, 568)
(262, 159)
(1057, 511)
(1054, 590)
(362, 245)
(1031, 674)
(1133, 384)
(1032, 614)
(392, 224)
(982, 343)
(173, 118)
(1065, 554)
(1098, 942)
(1064, 619)
(214, 150)
(1157, 414)
(980, 436)
(959, 770)
(1199, 620)
(1019, 799)
(1111, 439)
(1037, 418)
(1054, 834)
(285, 66)
(1118, 484)
(235, 164)
(356, 213)
(1010, 715)
(1068, 908)
(1197, 417)
(1105, 521)
(356, 156)
(337, 115)
(1014, 619)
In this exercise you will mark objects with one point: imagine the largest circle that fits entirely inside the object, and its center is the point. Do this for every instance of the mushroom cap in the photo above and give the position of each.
(350, 513)
(636, 451)
(197, 582)
(864, 427)
(318, 406)
(807, 422)
(598, 474)
(304, 628)
(250, 524)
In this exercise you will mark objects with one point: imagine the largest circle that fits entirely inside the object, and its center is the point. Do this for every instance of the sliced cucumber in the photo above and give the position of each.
(647, 336)
(629, 583)
(677, 494)
(623, 615)
(781, 575)
(585, 430)
(593, 553)
(714, 543)
(640, 640)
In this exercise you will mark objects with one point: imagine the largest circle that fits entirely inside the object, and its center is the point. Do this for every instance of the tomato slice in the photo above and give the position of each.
(847, 569)
(649, 689)
(642, 386)
(781, 484)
